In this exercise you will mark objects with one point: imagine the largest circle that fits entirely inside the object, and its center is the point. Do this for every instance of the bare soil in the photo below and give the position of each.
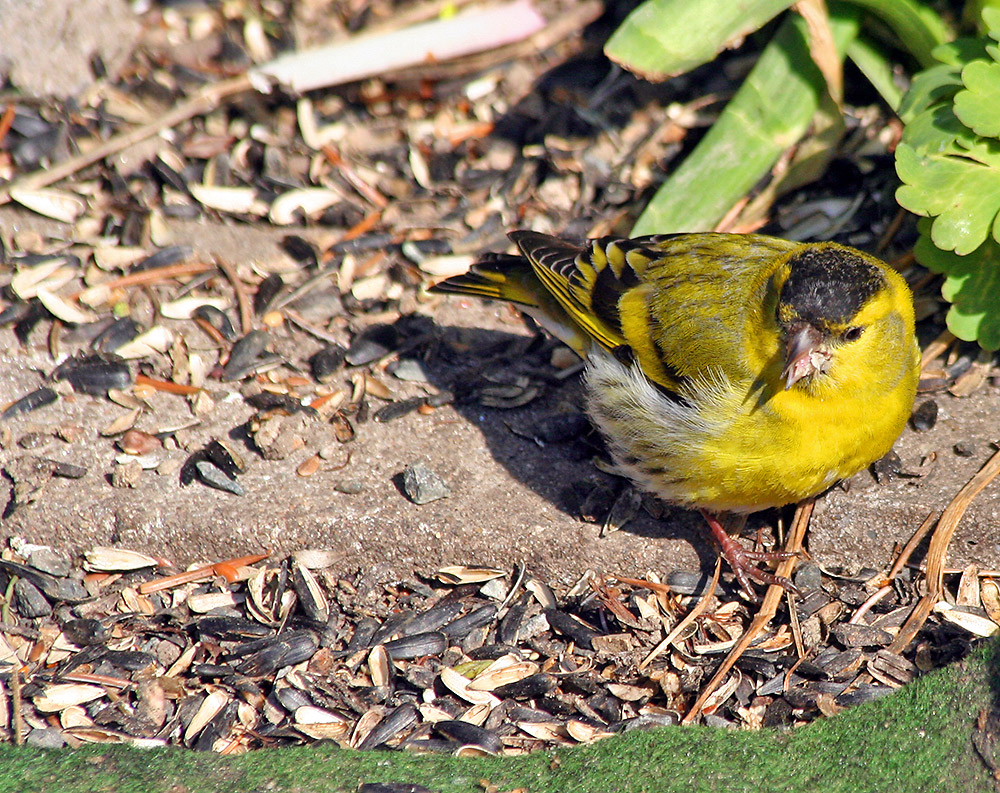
(511, 500)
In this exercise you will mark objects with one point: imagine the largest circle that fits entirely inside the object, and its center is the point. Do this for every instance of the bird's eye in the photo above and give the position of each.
(853, 334)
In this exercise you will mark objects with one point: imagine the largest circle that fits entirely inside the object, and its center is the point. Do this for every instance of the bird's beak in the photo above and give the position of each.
(805, 354)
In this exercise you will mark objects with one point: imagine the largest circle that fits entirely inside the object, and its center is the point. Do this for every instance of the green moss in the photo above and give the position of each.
(919, 739)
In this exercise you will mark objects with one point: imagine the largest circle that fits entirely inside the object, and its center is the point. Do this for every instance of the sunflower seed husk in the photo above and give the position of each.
(506, 669)
(265, 656)
(459, 684)
(312, 600)
(379, 667)
(38, 398)
(417, 645)
(572, 627)
(244, 356)
(975, 624)
(117, 559)
(460, 574)
(390, 726)
(469, 735)
(317, 558)
(117, 334)
(58, 696)
(94, 374)
(463, 626)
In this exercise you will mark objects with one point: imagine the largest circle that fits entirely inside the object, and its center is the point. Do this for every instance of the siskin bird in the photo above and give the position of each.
(728, 373)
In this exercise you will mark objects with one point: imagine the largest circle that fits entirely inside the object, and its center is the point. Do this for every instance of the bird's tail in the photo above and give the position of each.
(500, 276)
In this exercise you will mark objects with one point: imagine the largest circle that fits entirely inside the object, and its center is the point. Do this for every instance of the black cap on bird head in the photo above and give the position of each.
(826, 287)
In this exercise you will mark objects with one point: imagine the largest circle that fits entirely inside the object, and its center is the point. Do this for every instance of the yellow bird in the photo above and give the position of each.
(728, 373)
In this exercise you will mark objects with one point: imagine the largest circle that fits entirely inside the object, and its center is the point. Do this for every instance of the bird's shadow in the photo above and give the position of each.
(531, 417)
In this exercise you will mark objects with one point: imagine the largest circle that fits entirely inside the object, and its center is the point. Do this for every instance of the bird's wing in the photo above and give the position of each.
(681, 304)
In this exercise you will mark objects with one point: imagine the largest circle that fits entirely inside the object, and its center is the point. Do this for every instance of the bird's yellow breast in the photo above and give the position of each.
(726, 448)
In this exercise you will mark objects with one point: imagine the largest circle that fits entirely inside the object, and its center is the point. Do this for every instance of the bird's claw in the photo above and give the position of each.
(744, 562)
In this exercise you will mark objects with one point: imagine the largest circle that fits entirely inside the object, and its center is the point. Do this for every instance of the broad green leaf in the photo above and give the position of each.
(978, 106)
(662, 38)
(918, 27)
(961, 194)
(772, 111)
(971, 285)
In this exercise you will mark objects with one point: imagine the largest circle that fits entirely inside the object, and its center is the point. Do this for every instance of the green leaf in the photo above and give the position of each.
(971, 285)
(978, 106)
(991, 18)
(772, 110)
(960, 51)
(918, 27)
(929, 87)
(662, 38)
(961, 193)
(938, 131)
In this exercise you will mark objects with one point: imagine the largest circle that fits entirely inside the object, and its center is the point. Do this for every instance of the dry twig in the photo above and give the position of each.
(768, 608)
(940, 540)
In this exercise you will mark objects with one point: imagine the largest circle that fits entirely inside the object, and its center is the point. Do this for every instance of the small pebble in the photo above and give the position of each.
(45, 738)
(28, 600)
(409, 370)
(686, 582)
(169, 467)
(964, 449)
(440, 398)
(808, 577)
(215, 477)
(925, 416)
(422, 485)
(50, 561)
(371, 344)
(34, 440)
(127, 475)
(350, 487)
(886, 468)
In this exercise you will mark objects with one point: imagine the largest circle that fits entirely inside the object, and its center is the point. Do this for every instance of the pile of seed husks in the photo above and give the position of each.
(253, 652)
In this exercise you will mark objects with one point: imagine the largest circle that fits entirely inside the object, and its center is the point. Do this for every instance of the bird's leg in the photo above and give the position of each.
(743, 561)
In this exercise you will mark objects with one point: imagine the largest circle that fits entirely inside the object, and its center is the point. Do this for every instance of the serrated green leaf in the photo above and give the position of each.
(938, 131)
(971, 285)
(978, 106)
(962, 195)
(960, 51)
(991, 17)
(929, 87)
(662, 38)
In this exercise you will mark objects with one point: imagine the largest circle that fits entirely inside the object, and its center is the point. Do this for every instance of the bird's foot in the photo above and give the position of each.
(745, 562)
